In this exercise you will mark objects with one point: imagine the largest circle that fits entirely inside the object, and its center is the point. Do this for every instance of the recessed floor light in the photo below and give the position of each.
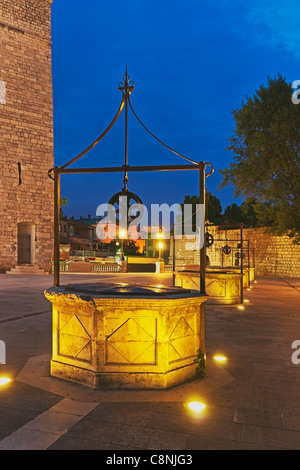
(220, 358)
(196, 406)
(4, 381)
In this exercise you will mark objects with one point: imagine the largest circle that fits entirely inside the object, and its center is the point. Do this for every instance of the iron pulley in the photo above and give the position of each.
(209, 239)
(226, 250)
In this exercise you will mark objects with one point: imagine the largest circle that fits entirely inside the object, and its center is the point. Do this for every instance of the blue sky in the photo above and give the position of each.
(192, 63)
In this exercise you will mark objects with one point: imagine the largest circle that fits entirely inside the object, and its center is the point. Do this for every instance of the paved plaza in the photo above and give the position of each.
(252, 399)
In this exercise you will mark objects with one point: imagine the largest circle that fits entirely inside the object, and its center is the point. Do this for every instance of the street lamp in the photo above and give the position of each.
(160, 243)
(160, 247)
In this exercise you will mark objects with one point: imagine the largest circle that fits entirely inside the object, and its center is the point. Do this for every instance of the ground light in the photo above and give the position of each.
(196, 406)
(220, 358)
(4, 381)
(241, 307)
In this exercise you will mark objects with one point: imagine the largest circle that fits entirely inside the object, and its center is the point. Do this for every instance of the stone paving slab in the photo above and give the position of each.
(252, 400)
(46, 428)
(36, 372)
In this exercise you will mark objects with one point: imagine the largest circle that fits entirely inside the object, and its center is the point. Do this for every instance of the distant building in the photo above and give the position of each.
(26, 135)
(76, 233)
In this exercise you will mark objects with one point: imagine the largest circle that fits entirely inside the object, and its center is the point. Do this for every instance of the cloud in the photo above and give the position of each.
(275, 23)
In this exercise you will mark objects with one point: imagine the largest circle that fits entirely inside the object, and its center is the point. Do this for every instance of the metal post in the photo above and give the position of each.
(242, 265)
(202, 166)
(249, 267)
(126, 135)
(126, 88)
(56, 225)
(173, 260)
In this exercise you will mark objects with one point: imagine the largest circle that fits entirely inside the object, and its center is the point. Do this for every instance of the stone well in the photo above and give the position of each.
(248, 273)
(114, 336)
(222, 287)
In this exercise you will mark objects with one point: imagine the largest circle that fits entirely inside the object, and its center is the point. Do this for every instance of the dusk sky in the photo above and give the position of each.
(192, 63)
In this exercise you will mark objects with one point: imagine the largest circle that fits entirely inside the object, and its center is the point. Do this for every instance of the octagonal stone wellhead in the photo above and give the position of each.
(120, 336)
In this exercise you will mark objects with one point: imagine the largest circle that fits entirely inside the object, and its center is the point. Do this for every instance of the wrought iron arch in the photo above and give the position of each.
(126, 87)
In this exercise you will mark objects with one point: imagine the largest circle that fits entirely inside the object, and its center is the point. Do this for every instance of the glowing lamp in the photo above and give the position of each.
(4, 381)
(196, 406)
(220, 358)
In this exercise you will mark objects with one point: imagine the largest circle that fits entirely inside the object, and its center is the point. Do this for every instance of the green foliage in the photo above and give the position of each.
(201, 365)
(129, 247)
(244, 214)
(213, 209)
(233, 214)
(266, 160)
(63, 201)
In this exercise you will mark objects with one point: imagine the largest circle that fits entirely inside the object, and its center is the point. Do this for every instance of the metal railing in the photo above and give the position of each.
(105, 267)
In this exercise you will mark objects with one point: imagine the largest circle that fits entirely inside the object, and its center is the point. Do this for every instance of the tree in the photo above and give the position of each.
(244, 214)
(249, 216)
(63, 201)
(233, 214)
(129, 247)
(213, 209)
(266, 161)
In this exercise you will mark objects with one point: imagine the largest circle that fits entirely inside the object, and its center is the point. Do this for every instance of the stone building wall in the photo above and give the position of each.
(271, 255)
(274, 255)
(26, 131)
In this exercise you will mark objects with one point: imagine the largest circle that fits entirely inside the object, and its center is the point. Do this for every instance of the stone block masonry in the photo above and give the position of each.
(26, 134)
(274, 255)
(271, 254)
